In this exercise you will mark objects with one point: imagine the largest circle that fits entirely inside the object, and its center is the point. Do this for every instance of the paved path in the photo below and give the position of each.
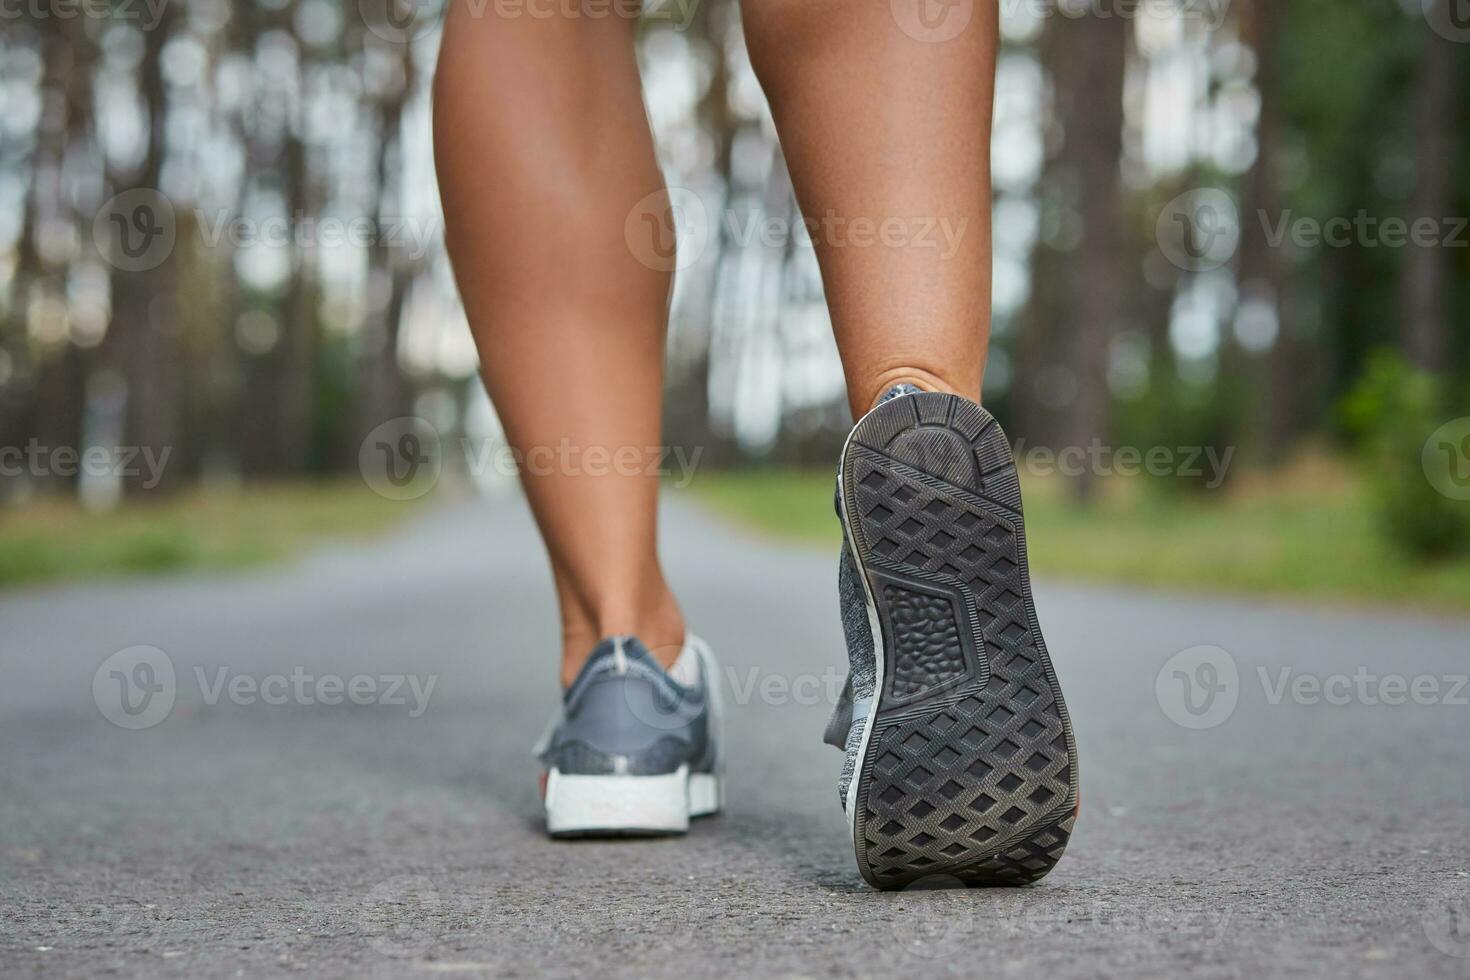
(245, 839)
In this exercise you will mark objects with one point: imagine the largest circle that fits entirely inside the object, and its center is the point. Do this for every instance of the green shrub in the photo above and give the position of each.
(1391, 413)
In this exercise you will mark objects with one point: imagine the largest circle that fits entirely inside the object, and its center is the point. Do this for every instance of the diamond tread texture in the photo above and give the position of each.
(970, 770)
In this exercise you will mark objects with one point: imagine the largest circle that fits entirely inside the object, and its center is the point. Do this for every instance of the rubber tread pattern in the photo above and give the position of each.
(970, 770)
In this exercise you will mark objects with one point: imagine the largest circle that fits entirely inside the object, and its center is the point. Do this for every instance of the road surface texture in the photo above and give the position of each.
(1286, 834)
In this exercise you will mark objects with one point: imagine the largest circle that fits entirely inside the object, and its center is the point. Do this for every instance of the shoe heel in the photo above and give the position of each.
(969, 769)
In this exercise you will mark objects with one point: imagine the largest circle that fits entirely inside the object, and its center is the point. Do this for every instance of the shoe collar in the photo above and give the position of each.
(624, 653)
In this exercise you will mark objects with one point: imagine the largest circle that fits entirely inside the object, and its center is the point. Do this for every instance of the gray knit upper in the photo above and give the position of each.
(845, 729)
(625, 715)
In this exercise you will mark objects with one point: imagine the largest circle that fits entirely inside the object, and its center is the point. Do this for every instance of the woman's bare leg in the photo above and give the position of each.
(543, 149)
(882, 129)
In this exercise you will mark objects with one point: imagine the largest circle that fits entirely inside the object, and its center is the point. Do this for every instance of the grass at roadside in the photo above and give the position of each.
(1307, 533)
(48, 540)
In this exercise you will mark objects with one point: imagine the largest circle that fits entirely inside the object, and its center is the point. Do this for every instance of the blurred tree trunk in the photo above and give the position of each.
(687, 418)
(296, 355)
(1089, 93)
(1037, 347)
(32, 366)
(141, 334)
(1273, 408)
(257, 452)
(278, 422)
(1037, 344)
(1424, 279)
(17, 392)
(59, 365)
(383, 391)
(205, 306)
(17, 396)
(711, 22)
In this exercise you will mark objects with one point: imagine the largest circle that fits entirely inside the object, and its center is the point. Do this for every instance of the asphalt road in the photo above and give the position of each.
(1295, 835)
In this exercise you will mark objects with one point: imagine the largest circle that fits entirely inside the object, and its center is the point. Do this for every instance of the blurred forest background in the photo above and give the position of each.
(305, 297)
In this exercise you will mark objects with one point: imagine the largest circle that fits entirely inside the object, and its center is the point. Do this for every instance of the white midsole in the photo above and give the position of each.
(650, 804)
(706, 794)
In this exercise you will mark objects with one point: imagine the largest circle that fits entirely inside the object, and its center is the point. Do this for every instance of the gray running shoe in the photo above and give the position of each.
(960, 756)
(633, 750)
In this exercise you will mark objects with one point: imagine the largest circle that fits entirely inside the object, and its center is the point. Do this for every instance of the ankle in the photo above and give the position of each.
(657, 622)
(865, 396)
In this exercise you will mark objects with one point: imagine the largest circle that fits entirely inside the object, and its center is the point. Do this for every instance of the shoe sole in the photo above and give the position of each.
(629, 806)
(967, 766)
